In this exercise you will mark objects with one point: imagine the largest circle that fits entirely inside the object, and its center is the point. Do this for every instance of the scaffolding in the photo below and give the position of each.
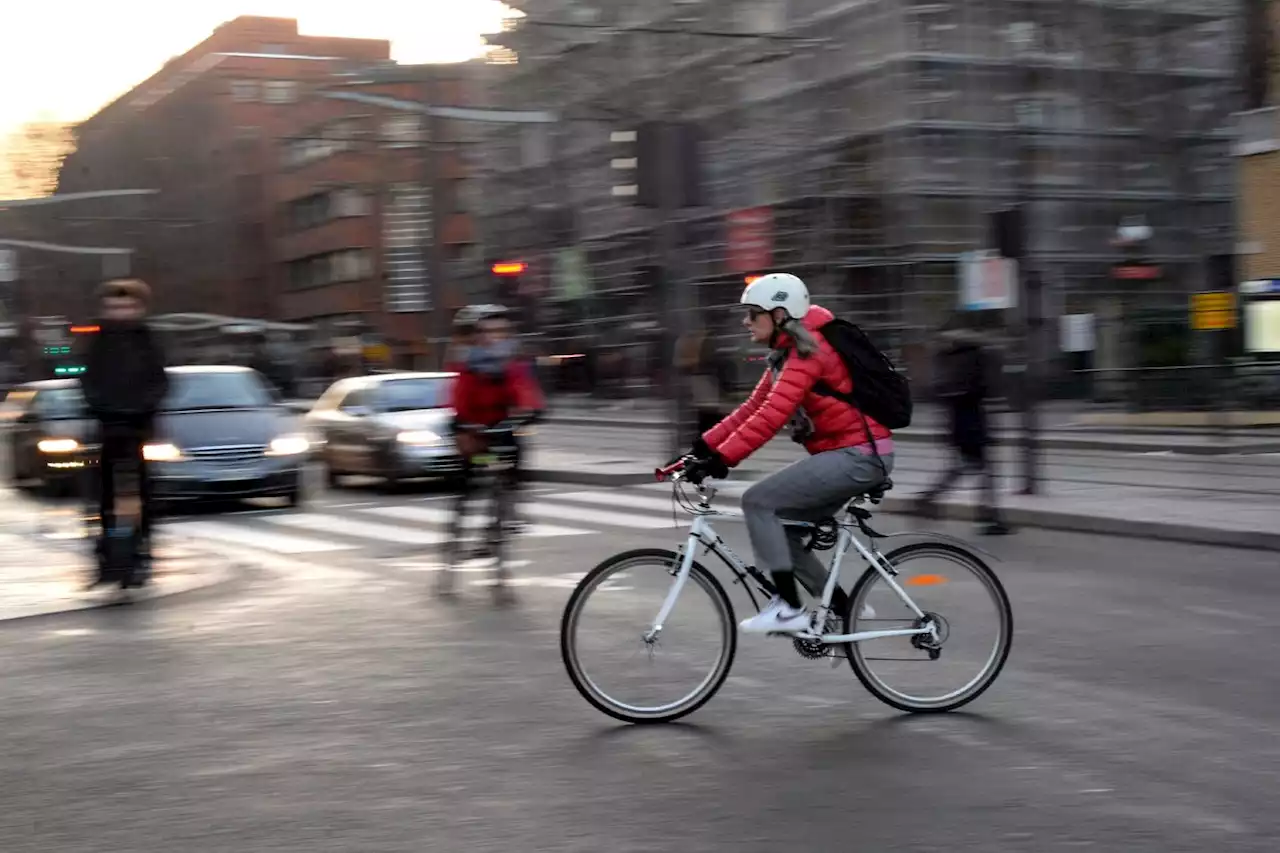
(880, 139)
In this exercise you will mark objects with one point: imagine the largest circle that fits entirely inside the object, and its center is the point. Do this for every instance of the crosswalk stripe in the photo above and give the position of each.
(239, 534)
(435, 515)
(583, 515)
(357, 529)
(632, 501)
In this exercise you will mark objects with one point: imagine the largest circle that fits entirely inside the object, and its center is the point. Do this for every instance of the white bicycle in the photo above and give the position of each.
(974, 627)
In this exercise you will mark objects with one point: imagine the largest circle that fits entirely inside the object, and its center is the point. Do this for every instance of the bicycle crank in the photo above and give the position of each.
(812, 648)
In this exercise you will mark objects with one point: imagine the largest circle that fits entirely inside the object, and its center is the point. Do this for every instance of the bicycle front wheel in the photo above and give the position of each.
(635, 678)
(958, 593)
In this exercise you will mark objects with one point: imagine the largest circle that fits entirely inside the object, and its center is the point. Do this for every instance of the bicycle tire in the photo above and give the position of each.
(998, 661)
(698, 574)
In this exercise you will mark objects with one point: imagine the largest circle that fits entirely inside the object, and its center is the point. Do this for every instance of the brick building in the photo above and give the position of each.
(271, 195)
(354, 189)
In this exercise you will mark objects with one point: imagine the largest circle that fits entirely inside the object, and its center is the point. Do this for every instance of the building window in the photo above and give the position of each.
(341, 135)
(352, 265)
(350, 202)
(309, 212)
(331, 268)
(280, 91)
(244, 91)
(401, 131)
(315, 210)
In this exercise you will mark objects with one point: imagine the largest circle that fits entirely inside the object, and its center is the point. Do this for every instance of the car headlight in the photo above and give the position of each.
(164, 452)
(288, 445)
(58, 445)
(420, 438)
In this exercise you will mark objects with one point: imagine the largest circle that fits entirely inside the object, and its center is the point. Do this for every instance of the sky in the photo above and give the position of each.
(61, 60)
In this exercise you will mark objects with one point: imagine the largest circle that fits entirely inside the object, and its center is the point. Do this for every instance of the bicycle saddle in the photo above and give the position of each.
(877, 494)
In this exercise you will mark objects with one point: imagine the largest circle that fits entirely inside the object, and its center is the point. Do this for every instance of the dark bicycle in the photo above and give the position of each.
(497, 467)
(121, 558)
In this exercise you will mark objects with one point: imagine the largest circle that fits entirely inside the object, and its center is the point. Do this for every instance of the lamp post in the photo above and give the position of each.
(1023, 35)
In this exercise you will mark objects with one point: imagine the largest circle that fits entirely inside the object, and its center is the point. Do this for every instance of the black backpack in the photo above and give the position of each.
(879, 390)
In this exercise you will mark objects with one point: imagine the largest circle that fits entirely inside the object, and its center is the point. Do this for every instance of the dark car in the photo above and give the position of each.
(220, 434)
(47, 430)
(223, 434)
(391, 425)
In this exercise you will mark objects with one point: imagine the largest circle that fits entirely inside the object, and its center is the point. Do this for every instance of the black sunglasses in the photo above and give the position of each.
(754, 313)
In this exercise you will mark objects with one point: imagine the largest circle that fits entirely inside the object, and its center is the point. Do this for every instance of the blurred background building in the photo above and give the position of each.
(860, 143)
(863, 144)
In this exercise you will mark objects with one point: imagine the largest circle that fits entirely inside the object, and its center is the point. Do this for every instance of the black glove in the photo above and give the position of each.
(700, 469)
(701, 450)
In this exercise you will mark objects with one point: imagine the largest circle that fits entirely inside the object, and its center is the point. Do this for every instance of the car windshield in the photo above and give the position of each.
(240, 389)
(407, 395)
(61, 402)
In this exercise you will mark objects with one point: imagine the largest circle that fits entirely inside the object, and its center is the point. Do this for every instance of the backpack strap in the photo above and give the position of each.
(821, 387)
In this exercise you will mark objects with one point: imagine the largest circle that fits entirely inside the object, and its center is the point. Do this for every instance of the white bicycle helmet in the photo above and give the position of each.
(778, 290)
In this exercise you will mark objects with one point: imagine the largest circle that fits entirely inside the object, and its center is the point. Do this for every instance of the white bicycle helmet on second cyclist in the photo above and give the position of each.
(778, 290)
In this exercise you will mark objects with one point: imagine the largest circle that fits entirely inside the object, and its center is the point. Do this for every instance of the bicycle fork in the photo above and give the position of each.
(681, 575)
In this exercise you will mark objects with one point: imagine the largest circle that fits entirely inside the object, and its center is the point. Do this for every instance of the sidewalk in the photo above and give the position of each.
(1216, 507)
(1062, 426)
(41, 575)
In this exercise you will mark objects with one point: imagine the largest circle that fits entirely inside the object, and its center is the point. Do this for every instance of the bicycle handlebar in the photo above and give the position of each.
(667, 471)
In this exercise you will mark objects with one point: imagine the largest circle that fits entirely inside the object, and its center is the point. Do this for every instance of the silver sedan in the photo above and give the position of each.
(391, 425)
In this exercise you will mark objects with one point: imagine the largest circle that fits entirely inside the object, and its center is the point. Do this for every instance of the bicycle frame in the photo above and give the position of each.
(702, 533)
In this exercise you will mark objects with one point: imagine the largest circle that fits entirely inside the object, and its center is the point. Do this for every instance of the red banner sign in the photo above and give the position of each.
(750, 239)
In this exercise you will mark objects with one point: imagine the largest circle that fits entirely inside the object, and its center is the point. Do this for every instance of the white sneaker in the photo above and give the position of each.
(777, 617)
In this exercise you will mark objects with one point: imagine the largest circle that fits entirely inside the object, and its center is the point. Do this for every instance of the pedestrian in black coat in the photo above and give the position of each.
(123, 384)
(964, 377)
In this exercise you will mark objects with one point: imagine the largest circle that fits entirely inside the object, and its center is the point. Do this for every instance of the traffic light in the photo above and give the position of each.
(658, 155)
(508, 277)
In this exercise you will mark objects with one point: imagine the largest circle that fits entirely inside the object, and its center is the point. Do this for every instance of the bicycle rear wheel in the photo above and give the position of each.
(957, 591)
(636, 680)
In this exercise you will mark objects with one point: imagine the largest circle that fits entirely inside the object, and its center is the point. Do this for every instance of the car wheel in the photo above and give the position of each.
(332, 476)
(390, 472)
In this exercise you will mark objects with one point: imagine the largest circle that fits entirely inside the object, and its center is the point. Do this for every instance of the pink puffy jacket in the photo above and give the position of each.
(773, 403)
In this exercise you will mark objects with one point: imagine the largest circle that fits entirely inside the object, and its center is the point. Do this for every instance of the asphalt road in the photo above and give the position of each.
(326, 702)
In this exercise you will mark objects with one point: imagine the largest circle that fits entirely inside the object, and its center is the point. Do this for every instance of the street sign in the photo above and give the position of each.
(8, 265)
(1261, 287)
(987, 281)
(1076, 333)
(1213, 310)
(750, 240)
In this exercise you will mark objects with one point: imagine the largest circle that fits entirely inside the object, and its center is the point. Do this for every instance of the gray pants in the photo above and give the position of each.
(808, 490)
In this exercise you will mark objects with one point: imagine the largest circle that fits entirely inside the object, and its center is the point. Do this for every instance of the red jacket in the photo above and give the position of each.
(489, 400)
(773, 403)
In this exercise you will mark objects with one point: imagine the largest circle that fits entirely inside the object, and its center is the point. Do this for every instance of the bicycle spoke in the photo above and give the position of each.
(972, 624)
(622, 674)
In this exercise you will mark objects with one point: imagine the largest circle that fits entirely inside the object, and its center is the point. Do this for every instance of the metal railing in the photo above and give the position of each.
(1187, 388)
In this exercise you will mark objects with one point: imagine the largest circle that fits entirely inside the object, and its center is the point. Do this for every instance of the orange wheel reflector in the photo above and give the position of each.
(927, 580)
